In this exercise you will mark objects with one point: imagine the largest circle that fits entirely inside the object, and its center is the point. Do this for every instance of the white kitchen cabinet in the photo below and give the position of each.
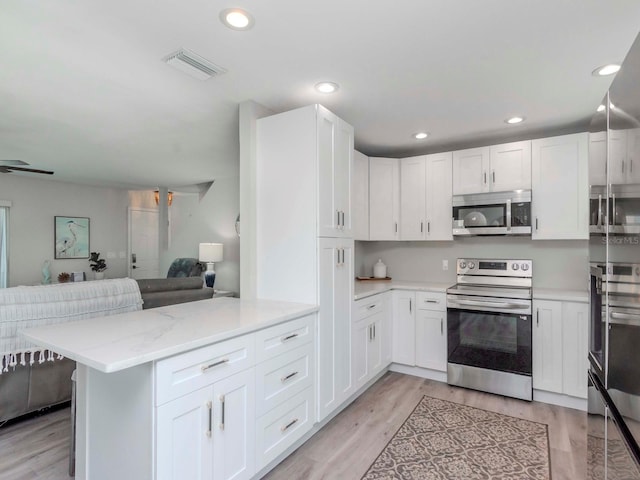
(560, 339)
(360, 196)
(492, 169)
(425, 191)
(431, 331)
(208, 434)
(404, 327)
(335, 159)
(633, 156)
(598, 158)
(560, 189)
(384, 198)
(618, 164)
(575, 339)
(334, 324)
(370, 338)
(184, 447)
(547, 345)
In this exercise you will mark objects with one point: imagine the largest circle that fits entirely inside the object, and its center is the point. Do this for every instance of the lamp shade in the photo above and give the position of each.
(210, 252)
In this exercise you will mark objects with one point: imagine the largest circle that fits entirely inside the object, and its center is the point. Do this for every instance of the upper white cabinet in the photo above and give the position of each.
(560, 190)
(624, 157)
(384, 198)
(335, 160)
(425, 192)
(598, 158)
(360, 196)
(492, 169)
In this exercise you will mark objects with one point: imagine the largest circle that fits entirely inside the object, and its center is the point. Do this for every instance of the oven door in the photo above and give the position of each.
(495, 339)
(597, 325)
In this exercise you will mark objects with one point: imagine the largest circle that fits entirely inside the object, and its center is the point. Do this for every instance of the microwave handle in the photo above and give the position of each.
(509, 214)
(599, 210)
(625, 319)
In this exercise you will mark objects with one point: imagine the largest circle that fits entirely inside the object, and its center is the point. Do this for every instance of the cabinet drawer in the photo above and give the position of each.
(282, 377)
(369, 306)
(431, 301)
(279, 339)
(282, 426)
(179, 375)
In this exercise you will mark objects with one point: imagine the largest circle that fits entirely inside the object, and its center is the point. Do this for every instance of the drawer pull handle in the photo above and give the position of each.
(372, 306)
(210, 407)
(432, 301)
(289, 425)
(215, 364)
(291, 375)
(289, 337)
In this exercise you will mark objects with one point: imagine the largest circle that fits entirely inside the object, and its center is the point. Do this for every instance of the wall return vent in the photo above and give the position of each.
(193, 64)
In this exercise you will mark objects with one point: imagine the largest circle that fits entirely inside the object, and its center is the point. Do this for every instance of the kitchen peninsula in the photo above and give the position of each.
(155, 387)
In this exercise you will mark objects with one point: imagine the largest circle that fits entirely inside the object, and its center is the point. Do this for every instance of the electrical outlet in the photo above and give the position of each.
(445, 264)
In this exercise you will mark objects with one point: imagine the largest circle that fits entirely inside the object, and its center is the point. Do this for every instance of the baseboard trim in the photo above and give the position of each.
(419, 372)
(560, 400)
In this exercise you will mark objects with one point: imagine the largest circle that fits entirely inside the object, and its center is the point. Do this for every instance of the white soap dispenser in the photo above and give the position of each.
(380, 269)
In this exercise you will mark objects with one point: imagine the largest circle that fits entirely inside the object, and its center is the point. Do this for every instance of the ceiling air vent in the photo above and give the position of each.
(193, 65)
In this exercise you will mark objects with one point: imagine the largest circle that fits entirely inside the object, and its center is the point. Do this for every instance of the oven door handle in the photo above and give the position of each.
(624, 319)
(473, 303)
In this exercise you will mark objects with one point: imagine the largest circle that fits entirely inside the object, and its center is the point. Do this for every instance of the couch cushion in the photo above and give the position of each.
(161, 299)
(150, 285)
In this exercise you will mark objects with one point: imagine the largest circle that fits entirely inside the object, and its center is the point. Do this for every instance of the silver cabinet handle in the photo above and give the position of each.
(536, 223)
(537, 316)
(370, 333)
(441, 326)
(432, 301)
(428, 227)
(493, 174)
(622, 166)
(338, 218)
(421, 227)
(410, 306)
(374, 331)
(222, 399)
(631, 165)
(204, 368)
(373, 305)
(289, 337)
(289, 425)
(343, 220)
(396, 223)
(485, 177)
(287, 377)
(210, 407)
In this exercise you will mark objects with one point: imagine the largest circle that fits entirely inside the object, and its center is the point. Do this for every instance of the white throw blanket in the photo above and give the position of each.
(25, 307)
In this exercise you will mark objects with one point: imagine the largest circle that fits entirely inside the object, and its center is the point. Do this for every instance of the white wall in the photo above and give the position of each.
(31, 239)
(556, 264)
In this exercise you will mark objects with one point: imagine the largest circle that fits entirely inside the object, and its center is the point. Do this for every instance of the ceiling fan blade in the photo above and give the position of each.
(21, 169)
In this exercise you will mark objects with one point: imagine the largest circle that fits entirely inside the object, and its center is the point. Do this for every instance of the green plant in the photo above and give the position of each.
(96, 263)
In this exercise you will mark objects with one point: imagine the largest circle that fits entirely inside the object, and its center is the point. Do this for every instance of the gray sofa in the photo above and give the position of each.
(31, 388)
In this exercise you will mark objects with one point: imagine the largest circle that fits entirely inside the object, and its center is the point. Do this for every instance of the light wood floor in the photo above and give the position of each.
(37, 449)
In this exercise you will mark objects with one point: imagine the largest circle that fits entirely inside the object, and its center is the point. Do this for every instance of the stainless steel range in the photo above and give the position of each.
(489, 327)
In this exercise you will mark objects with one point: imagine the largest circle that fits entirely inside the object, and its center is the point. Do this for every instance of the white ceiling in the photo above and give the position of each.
(83, 90)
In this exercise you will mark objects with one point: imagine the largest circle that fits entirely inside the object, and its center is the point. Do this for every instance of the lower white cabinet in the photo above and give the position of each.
(431, 331)
(404, 327)
(370, 336)
(560, 340)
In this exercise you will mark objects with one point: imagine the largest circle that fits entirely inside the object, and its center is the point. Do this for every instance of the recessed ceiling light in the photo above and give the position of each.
(600, 108)
(605, 70)
(420, 135)
(327, 87)
(236, 19)
(514, 120)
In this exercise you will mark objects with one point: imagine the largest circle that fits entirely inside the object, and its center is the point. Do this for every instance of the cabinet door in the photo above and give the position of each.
(184, 445)
(575, 324)
(412, 198)
(471, 171)
(633, 155)
(375, 353)
(342, 172)
(598, 158)
(360, 196)
(618, 164)
(560, 190)
(510, 166)
(404, 328)
(360, 366)
(234, 427)
(439, 210)
(328, 210)
(431, 340)
(334, 323)
(384, 198)
(547, 346)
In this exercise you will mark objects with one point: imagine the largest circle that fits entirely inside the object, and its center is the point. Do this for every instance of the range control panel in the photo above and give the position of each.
(494, 267)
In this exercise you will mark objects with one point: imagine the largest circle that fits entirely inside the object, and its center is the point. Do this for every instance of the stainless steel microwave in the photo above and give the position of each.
(495, 213)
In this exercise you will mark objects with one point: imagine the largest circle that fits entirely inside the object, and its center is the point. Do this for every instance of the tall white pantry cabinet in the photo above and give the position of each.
(304, 234)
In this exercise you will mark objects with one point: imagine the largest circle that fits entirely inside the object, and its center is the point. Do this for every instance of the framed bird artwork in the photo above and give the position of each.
(71, 237)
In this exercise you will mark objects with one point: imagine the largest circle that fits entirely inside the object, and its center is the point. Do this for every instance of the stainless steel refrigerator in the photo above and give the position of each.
(613, 451)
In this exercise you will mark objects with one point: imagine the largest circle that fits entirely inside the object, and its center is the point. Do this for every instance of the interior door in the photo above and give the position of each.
(144, 256)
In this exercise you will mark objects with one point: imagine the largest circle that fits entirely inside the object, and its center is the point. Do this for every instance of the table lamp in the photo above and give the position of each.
(210, 253)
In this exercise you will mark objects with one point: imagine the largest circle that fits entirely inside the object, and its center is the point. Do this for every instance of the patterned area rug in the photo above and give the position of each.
(448, 441)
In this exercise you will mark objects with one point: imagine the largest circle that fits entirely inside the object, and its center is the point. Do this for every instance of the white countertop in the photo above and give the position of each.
(580, 296)
(121, 341)
(366, 288)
